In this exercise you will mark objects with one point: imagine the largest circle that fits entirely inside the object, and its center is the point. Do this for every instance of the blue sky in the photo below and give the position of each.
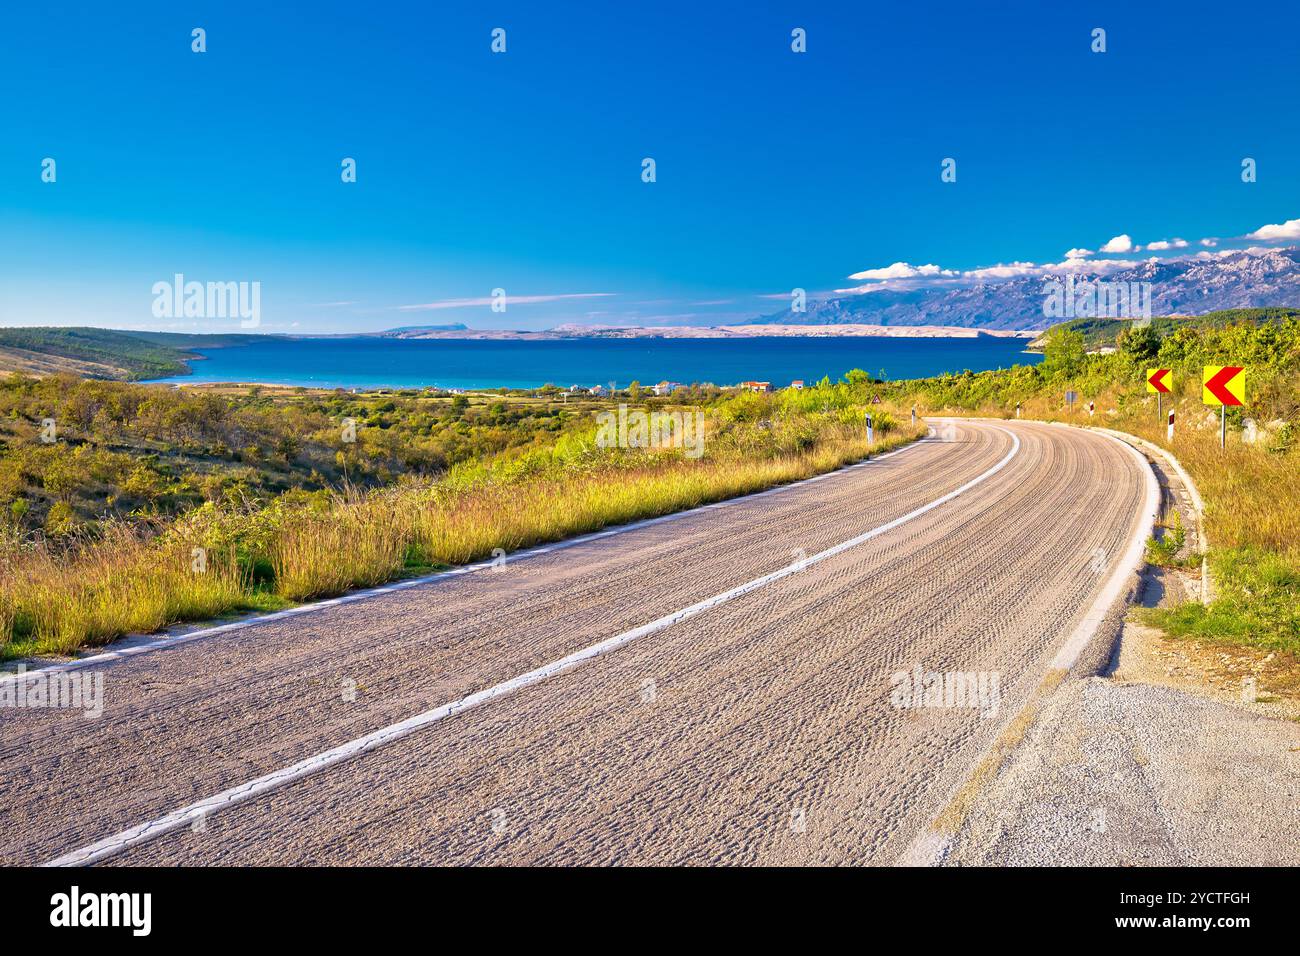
(522, 170)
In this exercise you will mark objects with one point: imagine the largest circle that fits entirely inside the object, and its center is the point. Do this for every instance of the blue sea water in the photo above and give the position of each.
(372, 362)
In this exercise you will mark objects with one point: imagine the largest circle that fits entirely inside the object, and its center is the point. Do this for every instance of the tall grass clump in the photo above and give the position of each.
(357, 543)
(57, 600)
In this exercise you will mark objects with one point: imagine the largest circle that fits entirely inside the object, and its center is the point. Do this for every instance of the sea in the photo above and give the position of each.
(375, 362)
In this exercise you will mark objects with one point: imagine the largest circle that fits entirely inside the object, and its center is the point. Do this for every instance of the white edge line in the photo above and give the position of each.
(176, 640)
(143, 833)
(1198, 505)
(929, 847)
(1130, 562)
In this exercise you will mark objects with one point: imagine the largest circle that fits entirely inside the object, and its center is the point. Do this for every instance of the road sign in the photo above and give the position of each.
(1158, 380)
(1223, 385)
(1071, 397)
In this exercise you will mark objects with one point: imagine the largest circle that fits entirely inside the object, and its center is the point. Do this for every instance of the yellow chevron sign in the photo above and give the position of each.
(1158, 380)
(1223, 385)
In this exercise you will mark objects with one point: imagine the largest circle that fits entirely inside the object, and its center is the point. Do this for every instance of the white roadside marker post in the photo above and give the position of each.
(913, 414)
(870, 435)
(1169, 436)
(1017, 409)
(1091, 407)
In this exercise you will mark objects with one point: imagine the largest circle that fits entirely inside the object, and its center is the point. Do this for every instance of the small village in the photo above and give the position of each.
(667, 388)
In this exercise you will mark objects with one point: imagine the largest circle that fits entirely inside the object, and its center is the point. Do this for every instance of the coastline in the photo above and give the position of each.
(747, 331)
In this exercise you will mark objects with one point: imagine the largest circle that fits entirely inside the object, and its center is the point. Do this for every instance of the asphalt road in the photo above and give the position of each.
(762, 727)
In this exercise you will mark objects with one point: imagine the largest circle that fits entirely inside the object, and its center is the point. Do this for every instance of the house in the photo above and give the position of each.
(797, 383)
(757, 386)
(577, 390)
(598, 390)
(667, 388)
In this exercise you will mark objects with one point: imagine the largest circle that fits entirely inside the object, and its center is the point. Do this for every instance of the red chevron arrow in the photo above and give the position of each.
(1218, 385)
(1158, 380)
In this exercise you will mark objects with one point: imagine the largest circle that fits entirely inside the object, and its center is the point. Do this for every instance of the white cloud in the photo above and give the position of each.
(1209, 242)
(1078, 253)
(1121, 243)
(1007, 270)
(1097, 266)
(903, 270)
(1163, 244)
(1287, 230)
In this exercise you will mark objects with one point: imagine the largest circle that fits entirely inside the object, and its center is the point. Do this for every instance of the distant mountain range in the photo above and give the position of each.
(1178, 287)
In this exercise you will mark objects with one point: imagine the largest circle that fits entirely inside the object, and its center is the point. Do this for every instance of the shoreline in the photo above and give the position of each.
(746, 331)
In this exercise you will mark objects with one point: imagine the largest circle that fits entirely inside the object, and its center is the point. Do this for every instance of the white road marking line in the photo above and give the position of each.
(145, 832)
(1130, 561)
(176, 640)
(930, 846)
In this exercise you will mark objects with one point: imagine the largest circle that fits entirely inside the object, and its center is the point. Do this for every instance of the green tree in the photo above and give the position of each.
(1064, 352)
(1139, 343)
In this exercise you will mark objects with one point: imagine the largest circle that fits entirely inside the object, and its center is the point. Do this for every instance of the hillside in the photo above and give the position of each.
(1104, 333)
(89, 353)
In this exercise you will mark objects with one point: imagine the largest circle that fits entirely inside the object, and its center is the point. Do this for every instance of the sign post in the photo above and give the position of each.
(870, 436)
(1223, 385)
(1158, 382)
(1070, 399)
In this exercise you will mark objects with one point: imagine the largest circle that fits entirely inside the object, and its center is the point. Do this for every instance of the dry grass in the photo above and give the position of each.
(1252, 522)
(123, 585)
(367, 541)
(54, 603)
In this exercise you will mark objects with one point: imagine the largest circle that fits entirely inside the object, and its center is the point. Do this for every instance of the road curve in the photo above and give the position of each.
(759, 729)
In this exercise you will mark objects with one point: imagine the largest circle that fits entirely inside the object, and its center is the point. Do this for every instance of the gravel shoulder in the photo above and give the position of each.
(1119, 774)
